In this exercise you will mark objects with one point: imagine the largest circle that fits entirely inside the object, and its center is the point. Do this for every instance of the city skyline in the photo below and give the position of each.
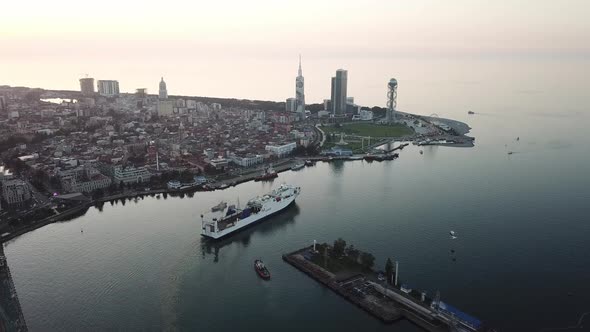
(199, 56)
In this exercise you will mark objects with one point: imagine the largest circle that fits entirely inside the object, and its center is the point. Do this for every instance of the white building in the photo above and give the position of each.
(281, 150)
(108, 88)
(165, 108)
(248, 160)
(15, 191)
(130, 174)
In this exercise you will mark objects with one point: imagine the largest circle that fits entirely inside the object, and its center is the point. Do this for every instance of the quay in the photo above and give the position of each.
(386, 302)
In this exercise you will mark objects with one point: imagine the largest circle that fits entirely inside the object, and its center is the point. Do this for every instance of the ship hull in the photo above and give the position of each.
(250, 221)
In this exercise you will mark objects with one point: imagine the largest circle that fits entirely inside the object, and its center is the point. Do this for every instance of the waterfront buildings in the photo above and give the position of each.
(87, 86)
(247, 160)
(163, 92)
(339, 85)
(83, 179)
(281, 150)
(108, 88)
(130, 174)
(15, 191)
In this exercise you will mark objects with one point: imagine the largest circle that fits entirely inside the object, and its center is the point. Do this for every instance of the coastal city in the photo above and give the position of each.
(62, 151)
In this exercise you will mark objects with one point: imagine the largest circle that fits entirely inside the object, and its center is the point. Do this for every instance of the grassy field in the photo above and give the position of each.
(369, 129)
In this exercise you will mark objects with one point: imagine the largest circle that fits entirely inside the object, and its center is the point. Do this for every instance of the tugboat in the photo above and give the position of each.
(471, 112)
(261, 269)
(268, 174)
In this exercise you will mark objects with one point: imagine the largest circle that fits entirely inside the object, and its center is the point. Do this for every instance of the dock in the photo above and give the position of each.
(384, 301)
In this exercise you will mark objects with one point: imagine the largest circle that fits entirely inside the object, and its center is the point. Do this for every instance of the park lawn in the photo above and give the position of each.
(369, 129)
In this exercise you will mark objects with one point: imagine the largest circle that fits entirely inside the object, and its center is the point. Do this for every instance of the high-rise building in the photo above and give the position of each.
(87, 86)
(163, 92)
(300, 90)
(338, 100)
(108, 88)
(291, 105)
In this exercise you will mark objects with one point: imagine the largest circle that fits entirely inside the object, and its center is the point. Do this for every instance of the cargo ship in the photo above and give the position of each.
(222, 222)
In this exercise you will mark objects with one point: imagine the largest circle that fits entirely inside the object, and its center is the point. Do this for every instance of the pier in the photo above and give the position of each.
(384, 301)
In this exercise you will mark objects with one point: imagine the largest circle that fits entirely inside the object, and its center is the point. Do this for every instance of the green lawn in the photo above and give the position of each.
(369, 129)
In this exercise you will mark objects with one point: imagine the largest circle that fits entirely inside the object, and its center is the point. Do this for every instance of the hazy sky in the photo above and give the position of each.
(58, 33)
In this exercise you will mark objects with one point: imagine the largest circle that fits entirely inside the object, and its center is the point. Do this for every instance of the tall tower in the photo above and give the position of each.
(299, 90)
(163, 93)
(391, 100)
(339, 84)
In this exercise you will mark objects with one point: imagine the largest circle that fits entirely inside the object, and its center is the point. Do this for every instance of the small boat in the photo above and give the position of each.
(510, 152)
(268, 174)
(297, 167)
(222, 205)
(223, 186)
(421, 152)
(309, 163)
(453, 236)
(518, 138)
(470, 112)
(261, 269)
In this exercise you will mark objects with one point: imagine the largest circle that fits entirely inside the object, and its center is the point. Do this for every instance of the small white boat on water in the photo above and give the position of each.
(297, 166)
(453, 235)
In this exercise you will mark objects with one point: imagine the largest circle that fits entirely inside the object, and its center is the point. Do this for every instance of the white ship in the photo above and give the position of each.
(223, 222)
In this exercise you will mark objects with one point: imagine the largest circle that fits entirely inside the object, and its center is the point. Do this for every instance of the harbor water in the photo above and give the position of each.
(519, 262)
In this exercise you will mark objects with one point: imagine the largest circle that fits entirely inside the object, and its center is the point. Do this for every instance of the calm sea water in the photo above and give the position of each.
(522, 223)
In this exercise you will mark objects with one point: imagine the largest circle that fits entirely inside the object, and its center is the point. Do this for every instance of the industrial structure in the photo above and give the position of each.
(391, 101)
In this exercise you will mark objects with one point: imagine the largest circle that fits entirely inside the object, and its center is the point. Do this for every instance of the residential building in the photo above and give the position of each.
(165, 107)
(87, 86)
(339, 85)
(281, 150)
(108, 88)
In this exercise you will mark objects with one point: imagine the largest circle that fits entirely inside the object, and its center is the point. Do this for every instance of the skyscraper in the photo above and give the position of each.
(163, 94)
(108, 88)
(339, 83)
(299, 90)
(87, 86)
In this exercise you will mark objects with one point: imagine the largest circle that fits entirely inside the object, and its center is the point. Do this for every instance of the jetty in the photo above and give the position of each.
(383, 300)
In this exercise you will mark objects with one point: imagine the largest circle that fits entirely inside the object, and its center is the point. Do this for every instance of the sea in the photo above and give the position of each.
(520, 261)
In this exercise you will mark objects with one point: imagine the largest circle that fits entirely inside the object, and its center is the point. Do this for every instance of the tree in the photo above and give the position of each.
(367, 260)
(338, 248)
(352, 253)
(388, 269)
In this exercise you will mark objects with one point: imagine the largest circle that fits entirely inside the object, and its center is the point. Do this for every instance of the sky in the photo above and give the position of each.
(79, 37)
